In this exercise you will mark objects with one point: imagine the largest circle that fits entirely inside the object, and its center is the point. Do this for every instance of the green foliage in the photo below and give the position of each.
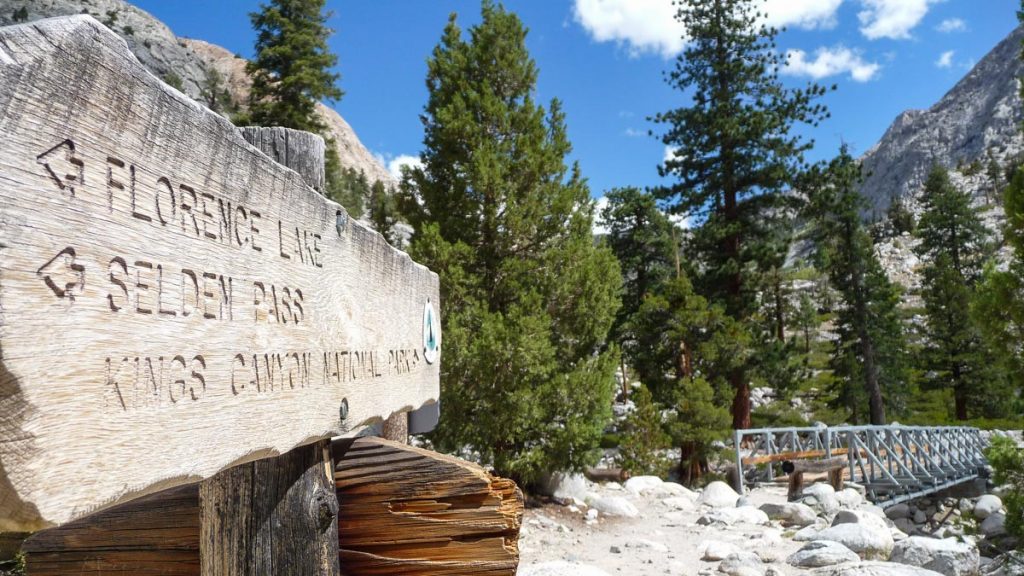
(291, 72)
(901, 219)
(641, 237)
(1007, 459)
(527, 377)
(642, 438)
(699, 423)
(998, 307)
(20, 15)
(735, 150)
(128, 30)
(346, 186)
(174, 81)
(215, 94)
(806, 319)
(868, 361)
(111, 20)
(383, 212)
(954, 247)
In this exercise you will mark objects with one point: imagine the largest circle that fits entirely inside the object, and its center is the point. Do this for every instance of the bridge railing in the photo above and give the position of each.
(893, 463)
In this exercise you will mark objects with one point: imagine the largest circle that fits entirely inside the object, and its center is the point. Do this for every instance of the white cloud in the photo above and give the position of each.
(830, 62)
(395, 164)
(802, 13)
(635, 132)
(945, 59)
(670, 153)
(649, 26)
(891, 18)
(951, 25)
(645, 26)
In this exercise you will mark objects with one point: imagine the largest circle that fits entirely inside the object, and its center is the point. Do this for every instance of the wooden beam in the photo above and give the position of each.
(154, 535)
(406, 510)
(272, 516)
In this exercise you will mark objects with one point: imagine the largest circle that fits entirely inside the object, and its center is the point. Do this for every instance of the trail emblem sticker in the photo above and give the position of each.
(431, 333)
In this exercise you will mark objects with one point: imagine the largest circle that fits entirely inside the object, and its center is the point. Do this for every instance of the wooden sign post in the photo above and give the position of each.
(173, 302)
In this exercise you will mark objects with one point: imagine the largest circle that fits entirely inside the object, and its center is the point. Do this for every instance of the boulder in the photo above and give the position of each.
(948, 557)
(821, 497)
(730, 516)
(562, 486)
(897, 511)
(673, 489)
(613, 506)
(868, 541)
(790, 513)
(849, 498)
(1009, 564)
(714, 550)
(822, 553)
(994, 525)
(808, 533)
(640, 484)
(873, 569)
(718, 494)
(986, 506)
(859, 517)
(560, 568)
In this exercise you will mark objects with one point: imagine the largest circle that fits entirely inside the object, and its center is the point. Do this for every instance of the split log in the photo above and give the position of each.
(154, 535)
(606, 474)
(405, 510)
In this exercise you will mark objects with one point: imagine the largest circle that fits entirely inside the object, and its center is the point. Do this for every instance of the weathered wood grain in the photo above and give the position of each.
(405, 510)
(272, 516)
(172, 301)
(156, 534)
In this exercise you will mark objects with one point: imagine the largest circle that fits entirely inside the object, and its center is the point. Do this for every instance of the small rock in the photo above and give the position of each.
(790, 513)
(615, 486)
(647, 545)
(615, 550)
(920, 517)
(822, 553)
(714, 550)
(592, 514)
(718, 494)
(730, 516)
(562, 486)
(808, 533)
(673, 489)
(823, 498)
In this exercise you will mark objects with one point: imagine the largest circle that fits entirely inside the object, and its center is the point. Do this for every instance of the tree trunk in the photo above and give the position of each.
(959, 393)
(876, 404)
(741, 402)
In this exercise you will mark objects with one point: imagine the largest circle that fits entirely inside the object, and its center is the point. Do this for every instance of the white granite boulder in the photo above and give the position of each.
(949, 557)
(718, 495)
(986, 506)
(790, 513)
(822, 553)
(868, 541)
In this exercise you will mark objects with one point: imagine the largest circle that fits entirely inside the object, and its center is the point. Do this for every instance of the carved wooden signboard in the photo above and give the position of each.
(172, 301)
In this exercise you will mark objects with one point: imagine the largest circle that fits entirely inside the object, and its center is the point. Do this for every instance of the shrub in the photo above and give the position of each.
(1007, 459)
(642, 438)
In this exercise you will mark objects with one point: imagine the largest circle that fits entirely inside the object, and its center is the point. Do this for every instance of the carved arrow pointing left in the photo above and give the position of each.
(65, 169)
(63, 275)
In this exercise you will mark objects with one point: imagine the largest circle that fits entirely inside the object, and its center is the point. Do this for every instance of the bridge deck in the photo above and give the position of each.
(893, 463)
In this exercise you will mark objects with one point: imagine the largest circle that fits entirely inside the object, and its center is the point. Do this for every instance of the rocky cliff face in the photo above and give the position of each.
(977, 118)
(168, 56)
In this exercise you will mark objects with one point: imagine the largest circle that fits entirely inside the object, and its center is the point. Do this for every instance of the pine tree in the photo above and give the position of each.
(527, 380)
(734, 151)
(383, 212)
(901, 219)
(807, 319)
(998, 308)
(291, 72)
(699, 423)
(953, 246)
(642, 239)
(346, 186)
(643, 437)
(869, 356)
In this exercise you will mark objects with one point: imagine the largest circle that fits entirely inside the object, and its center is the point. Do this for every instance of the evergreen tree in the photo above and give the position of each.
(528, 298)
(734, 152)
(807, 319)
(699, 423)
(346, 186)
(953, 246)
(383, 212)
(901, 219)
(215, 94)
(998, 307)
(291, 72)
(869, 356)
(643, 438)
(641, 237)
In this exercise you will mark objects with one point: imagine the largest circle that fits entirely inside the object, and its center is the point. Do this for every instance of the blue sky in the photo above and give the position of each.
(605, 58)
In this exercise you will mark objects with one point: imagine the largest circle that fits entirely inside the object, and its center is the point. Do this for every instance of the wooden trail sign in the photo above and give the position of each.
(172, 301)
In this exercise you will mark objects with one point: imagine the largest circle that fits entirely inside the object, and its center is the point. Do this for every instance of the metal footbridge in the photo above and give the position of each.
(893, 463)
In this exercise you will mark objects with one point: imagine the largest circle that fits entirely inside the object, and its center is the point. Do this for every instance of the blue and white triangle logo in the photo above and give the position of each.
(431, 333)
